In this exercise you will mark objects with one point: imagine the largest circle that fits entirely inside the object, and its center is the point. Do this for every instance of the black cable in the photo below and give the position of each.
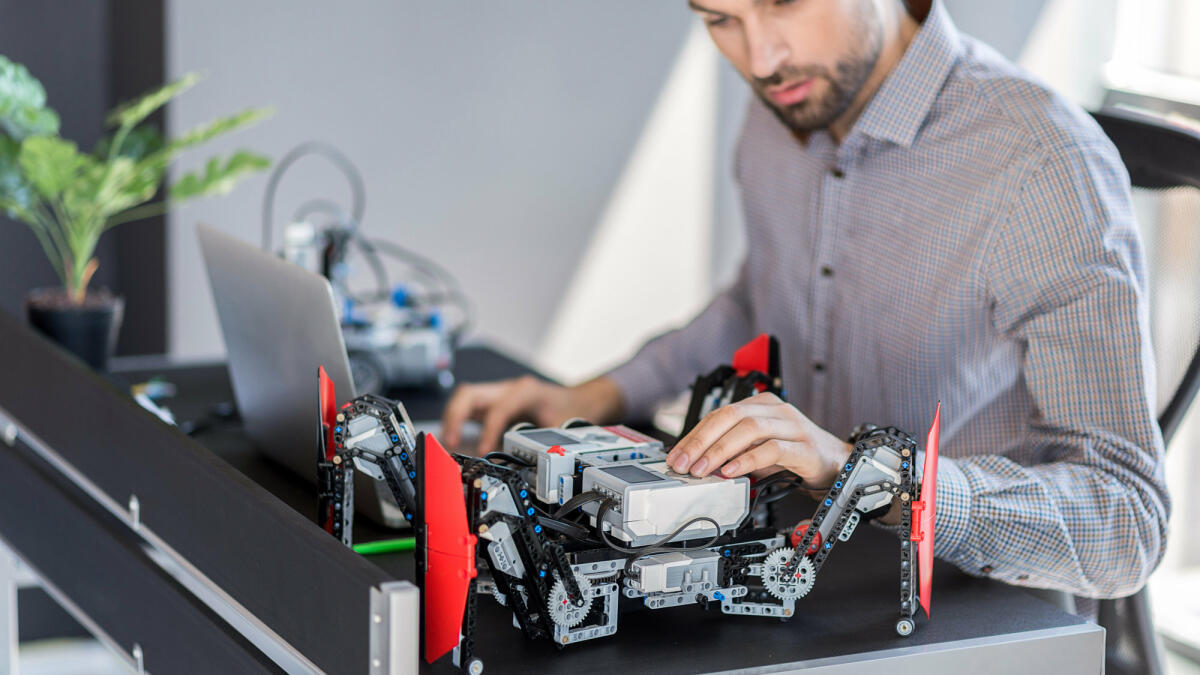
(568, 528)
(656, 547)
(791, 483)
(337, 158)
(773, 497)
(578, 501)
(347, 227)
(507, 457)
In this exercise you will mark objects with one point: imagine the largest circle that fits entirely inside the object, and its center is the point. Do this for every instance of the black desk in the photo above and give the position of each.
(205, 395)
(844, 625)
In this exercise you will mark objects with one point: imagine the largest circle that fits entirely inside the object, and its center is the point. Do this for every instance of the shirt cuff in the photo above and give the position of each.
(952, 521)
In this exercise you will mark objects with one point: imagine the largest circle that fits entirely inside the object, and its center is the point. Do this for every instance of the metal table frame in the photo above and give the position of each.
(213, 568)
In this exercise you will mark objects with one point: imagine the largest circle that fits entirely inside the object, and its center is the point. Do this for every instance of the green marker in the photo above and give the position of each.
(386, 546)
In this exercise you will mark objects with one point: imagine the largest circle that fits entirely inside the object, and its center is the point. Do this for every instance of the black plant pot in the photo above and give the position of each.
(88, 331)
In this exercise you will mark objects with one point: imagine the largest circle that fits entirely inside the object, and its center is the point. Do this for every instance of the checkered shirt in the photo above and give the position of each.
(971, 241)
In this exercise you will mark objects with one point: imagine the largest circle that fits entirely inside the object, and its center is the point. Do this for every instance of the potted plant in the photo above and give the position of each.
(70, 198)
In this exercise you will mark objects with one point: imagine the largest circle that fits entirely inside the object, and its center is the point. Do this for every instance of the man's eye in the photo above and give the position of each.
(717, 20)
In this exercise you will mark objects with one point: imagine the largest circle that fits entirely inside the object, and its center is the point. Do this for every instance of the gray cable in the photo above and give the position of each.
(337, 158)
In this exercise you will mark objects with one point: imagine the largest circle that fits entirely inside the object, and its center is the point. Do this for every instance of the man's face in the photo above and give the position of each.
(805, 58)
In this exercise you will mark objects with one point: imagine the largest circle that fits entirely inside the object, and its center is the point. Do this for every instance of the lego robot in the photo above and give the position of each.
(398, 335)
(568, 520)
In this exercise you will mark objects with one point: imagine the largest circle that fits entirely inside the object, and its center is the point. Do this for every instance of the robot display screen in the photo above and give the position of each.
(632, 474)
(549, 437)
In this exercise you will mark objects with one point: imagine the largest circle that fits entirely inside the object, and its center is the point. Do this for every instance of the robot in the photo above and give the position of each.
(569, 520)
(402, 347)
(397, 335)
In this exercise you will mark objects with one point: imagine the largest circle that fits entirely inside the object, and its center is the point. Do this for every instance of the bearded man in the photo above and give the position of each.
(925, 222)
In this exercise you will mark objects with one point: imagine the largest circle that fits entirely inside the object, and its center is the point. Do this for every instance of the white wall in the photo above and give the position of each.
(519, 145)
(649, 264)
(492, 136)
(1069, 46)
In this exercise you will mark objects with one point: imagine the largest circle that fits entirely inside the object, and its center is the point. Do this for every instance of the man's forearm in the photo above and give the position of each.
(600, 399)
(1065, 525)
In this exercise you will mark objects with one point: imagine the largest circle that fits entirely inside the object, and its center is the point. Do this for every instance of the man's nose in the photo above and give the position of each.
(767, 50)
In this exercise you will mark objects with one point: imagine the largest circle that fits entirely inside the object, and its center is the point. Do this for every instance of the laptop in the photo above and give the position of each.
(280, 323)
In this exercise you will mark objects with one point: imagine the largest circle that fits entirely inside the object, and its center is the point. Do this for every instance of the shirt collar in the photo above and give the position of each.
(902, 103)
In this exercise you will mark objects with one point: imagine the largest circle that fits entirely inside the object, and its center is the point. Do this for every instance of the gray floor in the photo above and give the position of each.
(69, 657)
(88, 657)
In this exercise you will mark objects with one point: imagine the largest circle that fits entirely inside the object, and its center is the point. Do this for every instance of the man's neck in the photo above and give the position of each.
(899, 28)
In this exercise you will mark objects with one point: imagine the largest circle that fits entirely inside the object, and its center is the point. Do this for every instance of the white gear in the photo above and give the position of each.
(563, 611)
(790, 586)
(499, 596)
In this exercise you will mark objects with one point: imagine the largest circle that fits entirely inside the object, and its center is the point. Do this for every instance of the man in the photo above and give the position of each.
(925, 222)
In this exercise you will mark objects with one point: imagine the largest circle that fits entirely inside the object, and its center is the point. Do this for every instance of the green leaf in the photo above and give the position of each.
(79, 198)
(217, 127)
(131, 114)
(23, 111)
(137, 145)
(144, 182)
(16, 194)
(50, 163)
(105, 189)
(218, 178)
(125, 188)
(152, 167)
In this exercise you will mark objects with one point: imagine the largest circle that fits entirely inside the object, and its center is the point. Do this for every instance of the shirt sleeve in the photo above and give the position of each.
(1078, 502)
(671, 361)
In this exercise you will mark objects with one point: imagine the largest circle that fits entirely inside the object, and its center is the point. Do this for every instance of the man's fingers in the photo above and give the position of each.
(454, 415)
(470, 402)
(746, 434)
(497, 419)
(714, 425)
(759, 457)
(513, 400)
(462, 406)
(798, 457)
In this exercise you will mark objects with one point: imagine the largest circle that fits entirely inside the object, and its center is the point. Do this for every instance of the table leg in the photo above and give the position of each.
(8, 611)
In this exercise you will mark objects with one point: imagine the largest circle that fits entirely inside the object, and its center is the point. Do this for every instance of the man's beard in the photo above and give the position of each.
(852, 72)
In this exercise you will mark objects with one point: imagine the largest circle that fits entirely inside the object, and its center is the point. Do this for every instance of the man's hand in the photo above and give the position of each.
(756, 433)
(498, 404)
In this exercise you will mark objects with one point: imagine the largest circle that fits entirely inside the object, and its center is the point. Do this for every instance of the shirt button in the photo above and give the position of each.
(826, 271)
(818, 366)
(837, 173)
(986, 569)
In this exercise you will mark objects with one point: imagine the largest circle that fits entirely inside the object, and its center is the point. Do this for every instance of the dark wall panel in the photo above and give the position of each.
(65, 45)
(89, 55)
(138, 64)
